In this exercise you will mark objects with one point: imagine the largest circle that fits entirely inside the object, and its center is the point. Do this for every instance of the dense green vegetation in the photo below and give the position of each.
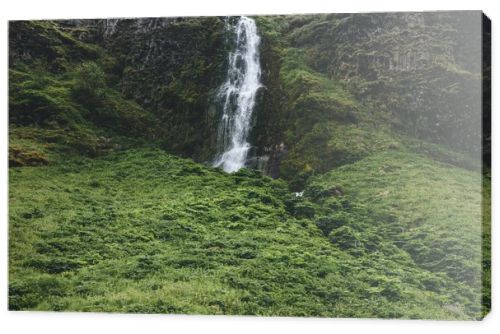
(144, 231)
(69, 108)
(112, 206)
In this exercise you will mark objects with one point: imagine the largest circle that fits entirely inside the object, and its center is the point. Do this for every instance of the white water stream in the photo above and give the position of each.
(238, 97)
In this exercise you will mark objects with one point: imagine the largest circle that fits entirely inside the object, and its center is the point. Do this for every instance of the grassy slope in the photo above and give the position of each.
(144, 231)
(63, 100)
(431, 210)
(388, 231)
(67, 126)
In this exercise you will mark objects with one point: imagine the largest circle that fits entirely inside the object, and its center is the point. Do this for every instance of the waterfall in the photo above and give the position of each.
(237, 95)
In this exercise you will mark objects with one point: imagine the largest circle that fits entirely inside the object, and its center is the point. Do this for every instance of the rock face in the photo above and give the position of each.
(420, 68)
(327, 80)
(171, 66)
(329, 75)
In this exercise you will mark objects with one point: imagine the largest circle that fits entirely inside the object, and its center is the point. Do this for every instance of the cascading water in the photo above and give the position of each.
(238, 97)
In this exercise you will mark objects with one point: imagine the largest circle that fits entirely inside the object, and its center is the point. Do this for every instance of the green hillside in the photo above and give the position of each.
(145, 231)
(371, 203)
